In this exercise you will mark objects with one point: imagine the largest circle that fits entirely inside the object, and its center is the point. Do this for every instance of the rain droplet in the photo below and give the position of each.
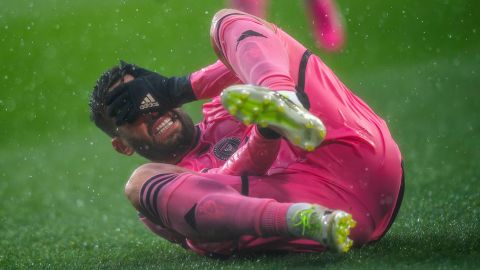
(79, 203)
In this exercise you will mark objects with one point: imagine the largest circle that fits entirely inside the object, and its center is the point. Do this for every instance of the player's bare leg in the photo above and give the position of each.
(260, 105)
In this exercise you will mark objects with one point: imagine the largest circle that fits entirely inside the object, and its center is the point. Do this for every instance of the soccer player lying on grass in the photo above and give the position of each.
(286, 158)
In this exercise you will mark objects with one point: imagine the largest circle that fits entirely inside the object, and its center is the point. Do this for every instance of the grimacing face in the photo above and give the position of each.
(162, 138)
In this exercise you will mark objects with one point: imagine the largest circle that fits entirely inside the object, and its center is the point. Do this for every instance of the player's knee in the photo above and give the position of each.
(217, 21)
(141, 175)
(217, 18)
(224, 12)
(231, 18)
(135, 183)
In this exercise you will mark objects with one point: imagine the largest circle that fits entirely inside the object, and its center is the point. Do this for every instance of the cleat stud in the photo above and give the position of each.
(322, 133)
(246, 121)
(244, 94)
(263, 123)
(267, 100)
(309, 124)
(239, 102)
(233, 109)
(347, 245)
(352, 223)
(308, 146)
(297, 140)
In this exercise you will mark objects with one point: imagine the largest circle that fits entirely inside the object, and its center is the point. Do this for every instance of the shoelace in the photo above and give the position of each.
(304, 217)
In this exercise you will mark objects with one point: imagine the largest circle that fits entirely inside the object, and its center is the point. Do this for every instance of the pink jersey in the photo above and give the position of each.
(219, 137)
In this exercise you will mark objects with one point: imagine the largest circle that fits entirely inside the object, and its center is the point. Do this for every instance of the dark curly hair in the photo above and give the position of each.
(98, 112)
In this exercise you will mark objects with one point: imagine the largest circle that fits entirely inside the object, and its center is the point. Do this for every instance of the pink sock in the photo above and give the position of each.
(224, 216)
(208, 210)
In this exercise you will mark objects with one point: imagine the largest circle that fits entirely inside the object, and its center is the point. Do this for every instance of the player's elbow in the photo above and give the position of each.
(223, 13)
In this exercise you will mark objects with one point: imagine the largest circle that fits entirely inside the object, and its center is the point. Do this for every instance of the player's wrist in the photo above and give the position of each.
(180, 90)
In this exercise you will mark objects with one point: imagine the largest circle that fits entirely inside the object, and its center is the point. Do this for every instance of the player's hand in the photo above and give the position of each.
(148, 92)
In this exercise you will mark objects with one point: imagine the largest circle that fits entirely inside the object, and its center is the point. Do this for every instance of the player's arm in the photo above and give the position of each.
(210, 81)
(153, 92)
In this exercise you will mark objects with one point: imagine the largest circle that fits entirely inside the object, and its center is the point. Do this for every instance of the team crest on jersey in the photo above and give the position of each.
(226, 147)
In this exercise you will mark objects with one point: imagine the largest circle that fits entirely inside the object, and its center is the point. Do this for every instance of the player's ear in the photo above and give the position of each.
(121, 147)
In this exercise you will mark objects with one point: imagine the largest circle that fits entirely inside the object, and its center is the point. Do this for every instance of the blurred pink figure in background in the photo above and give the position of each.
(324, 16)
(255, 7)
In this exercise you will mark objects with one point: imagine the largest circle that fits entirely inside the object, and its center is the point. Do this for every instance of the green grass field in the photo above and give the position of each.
(417, 63)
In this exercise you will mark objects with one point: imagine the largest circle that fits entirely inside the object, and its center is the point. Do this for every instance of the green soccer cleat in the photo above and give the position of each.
(330, 228)
(259, 105)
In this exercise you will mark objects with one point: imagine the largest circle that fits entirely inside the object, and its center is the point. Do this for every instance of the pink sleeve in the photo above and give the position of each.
(210, 81)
